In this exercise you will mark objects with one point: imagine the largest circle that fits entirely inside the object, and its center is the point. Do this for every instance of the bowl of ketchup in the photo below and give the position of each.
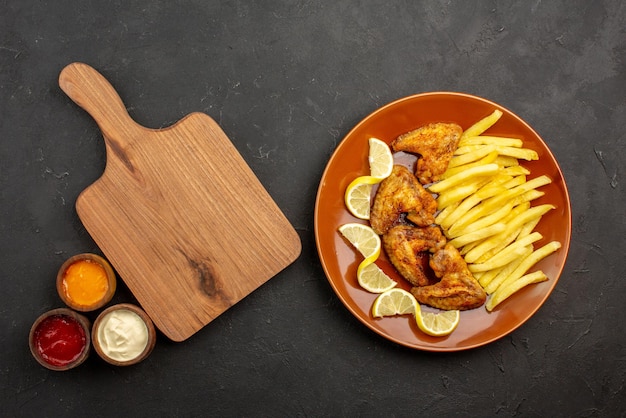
(60, 339)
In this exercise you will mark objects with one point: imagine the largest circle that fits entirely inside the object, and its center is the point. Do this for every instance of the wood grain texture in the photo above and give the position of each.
(178, 212)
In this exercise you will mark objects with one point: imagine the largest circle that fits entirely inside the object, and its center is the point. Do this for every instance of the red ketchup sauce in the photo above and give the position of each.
(60, 339)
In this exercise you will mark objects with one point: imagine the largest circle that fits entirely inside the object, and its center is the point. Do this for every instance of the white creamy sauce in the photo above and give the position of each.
(123, 335)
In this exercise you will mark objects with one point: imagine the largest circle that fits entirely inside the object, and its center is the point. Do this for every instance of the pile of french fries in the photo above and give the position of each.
(484, 202)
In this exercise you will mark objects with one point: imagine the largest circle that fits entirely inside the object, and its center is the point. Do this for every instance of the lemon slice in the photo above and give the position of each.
(380, 159)
(437, 324)
(394, 302)
(358, 195)
(372, 278)
(363, 238)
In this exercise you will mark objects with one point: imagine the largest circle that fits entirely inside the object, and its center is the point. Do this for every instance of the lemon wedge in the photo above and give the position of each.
(358, 193)
(437, 324)
(373, 279)
(358, 196)
(380, 159)
(394, 302)
(363, 238)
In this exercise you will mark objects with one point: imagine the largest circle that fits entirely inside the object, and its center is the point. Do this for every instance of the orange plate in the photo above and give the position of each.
(339, 260)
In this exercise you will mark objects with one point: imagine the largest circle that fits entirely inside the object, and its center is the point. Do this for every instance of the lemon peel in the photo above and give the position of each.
(367, 242)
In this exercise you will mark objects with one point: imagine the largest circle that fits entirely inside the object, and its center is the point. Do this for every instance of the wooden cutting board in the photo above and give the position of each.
(178, 212)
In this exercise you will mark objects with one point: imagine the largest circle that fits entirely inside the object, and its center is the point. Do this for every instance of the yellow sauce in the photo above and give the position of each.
(85, 282)
(122, 335)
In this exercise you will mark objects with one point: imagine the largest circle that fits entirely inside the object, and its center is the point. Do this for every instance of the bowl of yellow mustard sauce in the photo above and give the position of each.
(86, 282)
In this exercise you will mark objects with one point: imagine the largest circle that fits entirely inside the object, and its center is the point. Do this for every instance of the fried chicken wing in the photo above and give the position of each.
(435, 143)
(408, 249)
(399, 194)
(457, 289)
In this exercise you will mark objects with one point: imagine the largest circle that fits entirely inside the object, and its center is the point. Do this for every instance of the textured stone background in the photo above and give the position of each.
(287, 80)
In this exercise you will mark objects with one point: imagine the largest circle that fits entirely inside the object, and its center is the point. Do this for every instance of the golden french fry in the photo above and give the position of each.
(527, 197)
(527, 262)
(529, 227)
(520, 215)
(490, 189)
(477, 211)
(488, 206)
(482, 125)
(491, 140)
(523, 153)
(485, 277)
(507, 255)
(468, 247)
(505, 161)
(460, 210)
(515, 181)
(515, 170)
(487, 159)
(471, 173)
(492, 245)
(501, 294)
(448, 197)
(470, 157)
(464, 149)
(492, 278)
(443, 214)
(505, 271)
(483, 222)
(478, 235)
(494, 186)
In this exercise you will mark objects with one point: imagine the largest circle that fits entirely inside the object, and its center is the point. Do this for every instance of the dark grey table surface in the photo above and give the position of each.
(287, 80)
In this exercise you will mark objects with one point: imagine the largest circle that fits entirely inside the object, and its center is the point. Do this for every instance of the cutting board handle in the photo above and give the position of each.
(91, 91)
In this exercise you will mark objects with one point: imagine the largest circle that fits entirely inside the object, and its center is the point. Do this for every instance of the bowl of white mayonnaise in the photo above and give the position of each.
(123, 335)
